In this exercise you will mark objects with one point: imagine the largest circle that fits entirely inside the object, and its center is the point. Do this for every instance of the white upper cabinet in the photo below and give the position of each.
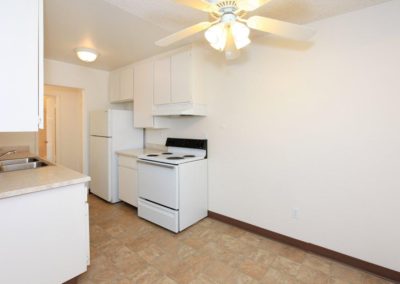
(175, 90)
(143, 94)
(126, 82)
(121, 85)
(181, 77)
(21, 69)
(114, 85)
(143, 97)
(162, 79)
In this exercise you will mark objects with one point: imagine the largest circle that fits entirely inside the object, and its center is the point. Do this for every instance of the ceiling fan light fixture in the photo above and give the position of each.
(229, 31)
(240, 33)
(217, 36)
(240, 30)
(232, 54)
(86, 54)
(241, 42)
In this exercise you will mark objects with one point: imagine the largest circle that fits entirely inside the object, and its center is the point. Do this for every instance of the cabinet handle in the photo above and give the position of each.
(156, 164)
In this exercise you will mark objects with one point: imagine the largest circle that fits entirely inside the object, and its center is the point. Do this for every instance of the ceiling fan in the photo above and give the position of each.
(228, 30)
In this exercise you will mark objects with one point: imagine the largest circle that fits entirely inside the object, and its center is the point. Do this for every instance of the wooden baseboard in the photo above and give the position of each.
(72, 281)
(355, 262)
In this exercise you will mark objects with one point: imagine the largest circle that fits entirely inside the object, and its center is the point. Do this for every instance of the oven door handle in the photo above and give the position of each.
(156, 164)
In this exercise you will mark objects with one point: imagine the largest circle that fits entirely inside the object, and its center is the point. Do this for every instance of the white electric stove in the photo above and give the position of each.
(176, 156)
(173, 185)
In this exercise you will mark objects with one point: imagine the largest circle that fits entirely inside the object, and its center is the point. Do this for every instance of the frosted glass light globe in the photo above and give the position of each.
(216, 36)
(86, 54)
(240, 34)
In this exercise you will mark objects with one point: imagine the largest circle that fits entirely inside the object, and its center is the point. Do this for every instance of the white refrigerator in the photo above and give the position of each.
(110, 131)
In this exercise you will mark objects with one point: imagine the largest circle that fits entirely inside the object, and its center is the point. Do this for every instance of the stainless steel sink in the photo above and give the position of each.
(21, 164)
(18, 161)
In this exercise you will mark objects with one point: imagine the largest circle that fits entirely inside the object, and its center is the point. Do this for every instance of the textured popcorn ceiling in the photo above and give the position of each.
(165, 14)
(124, 31)
(171, 16)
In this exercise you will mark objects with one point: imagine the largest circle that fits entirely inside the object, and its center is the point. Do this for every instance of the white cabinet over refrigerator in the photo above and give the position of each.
(121, 85)
(110, 131)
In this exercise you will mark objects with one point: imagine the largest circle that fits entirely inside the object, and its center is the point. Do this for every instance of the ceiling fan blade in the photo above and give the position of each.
(251, 5)
(183, 33)
(280, 28)
(197, 4)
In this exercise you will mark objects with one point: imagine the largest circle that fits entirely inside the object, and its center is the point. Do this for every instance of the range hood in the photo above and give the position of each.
(180, 109)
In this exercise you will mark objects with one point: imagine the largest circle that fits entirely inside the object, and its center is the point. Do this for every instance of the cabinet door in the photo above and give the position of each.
(181, 77)
(114, 86)
(143, 94)
(162, 81)
(126, 84)
(56, 222)
(128, 185)
(21, 60)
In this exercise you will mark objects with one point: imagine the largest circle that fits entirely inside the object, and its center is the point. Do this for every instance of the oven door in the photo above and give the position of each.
(158, 182)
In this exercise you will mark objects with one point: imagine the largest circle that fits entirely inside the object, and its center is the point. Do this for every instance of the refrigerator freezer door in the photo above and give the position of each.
(100, 149)
(100, 124)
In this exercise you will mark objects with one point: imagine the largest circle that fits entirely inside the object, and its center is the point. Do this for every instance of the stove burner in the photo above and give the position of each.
(152, 155)
(175, 158)
(167, 153)
(189, 156)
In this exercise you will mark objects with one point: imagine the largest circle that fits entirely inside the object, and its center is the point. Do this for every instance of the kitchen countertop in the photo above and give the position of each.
(34, 180)
(134, 153)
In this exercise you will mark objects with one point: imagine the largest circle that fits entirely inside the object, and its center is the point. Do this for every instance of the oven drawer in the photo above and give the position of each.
(158, 183)
(159, 215)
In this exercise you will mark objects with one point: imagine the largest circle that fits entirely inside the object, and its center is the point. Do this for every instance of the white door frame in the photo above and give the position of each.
(82, 97)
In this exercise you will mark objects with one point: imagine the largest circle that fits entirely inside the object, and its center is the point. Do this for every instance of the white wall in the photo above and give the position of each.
(18, 139)
(94, 84)
(310, 127)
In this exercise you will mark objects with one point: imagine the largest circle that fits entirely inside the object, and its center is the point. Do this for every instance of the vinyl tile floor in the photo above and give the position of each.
(126, 249)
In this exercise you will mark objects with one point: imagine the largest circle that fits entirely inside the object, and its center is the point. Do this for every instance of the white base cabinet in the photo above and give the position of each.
(127, 179)
(44, 236)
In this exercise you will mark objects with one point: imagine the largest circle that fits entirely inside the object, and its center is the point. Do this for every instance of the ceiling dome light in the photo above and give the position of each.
(216, 36)
(240, 34)
(86, 54)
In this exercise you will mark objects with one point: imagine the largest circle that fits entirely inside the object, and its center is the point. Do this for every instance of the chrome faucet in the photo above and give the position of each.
(8, 153)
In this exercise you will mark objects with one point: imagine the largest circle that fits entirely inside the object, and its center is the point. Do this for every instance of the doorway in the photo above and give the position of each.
(61, 140)
(47, 135)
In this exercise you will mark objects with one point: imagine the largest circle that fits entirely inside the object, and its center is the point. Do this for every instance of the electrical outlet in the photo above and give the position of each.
(295, 213)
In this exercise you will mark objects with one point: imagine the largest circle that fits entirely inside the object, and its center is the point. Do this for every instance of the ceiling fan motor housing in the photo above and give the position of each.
(228, 6)
(228, 17)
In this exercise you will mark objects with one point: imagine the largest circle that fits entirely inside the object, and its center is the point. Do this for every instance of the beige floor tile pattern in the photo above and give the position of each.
(126, 249)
